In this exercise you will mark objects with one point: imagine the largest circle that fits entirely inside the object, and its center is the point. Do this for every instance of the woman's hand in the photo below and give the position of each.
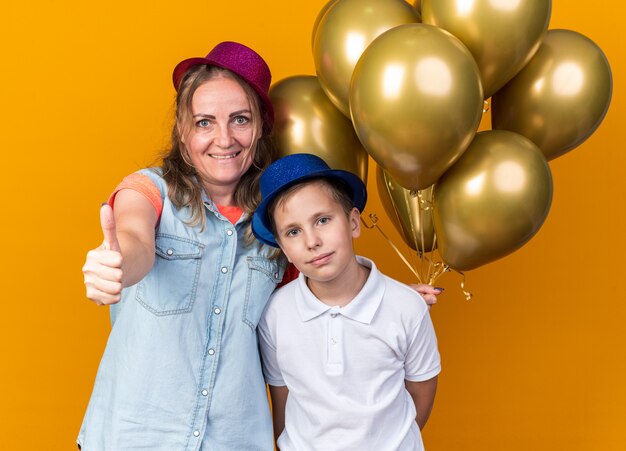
(428, 292)
(103, 265)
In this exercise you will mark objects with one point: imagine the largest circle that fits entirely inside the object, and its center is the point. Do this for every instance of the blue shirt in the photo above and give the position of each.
(181, 368)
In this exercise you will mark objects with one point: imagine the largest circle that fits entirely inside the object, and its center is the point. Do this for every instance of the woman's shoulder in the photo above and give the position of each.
(147, 182)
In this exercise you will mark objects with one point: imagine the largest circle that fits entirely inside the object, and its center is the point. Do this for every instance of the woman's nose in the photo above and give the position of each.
(224, 136)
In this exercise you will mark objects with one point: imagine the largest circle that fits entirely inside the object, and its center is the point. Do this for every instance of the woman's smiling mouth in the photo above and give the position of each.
(224, 157)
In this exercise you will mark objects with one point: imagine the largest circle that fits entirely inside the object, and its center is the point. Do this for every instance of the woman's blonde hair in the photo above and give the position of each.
(184, 184)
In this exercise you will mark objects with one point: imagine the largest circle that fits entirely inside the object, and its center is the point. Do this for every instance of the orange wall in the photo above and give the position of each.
(535, 361)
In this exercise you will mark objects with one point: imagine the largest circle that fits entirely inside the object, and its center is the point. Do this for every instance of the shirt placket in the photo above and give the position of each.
(334, 342)
(215, 325)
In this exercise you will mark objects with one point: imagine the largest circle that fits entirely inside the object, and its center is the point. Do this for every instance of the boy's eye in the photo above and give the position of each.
(292, 232)
(324, 220)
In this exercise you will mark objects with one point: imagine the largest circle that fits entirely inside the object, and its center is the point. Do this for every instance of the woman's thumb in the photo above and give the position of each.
(107, 222)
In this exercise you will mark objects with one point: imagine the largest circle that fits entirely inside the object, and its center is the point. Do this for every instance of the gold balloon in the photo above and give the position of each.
(560, 98)
(343, 34)
(319, 17)
(410, 212)
(417, 4)
(492, 201)
(416, 102)
(502, 35)
(307, 122)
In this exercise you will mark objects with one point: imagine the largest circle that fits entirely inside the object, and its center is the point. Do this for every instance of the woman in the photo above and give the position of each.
(181, 368)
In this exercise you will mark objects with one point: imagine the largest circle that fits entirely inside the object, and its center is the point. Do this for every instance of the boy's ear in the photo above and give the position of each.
(355, 222)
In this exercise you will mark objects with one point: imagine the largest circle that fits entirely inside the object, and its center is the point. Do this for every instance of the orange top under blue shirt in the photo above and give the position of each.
(142, 184)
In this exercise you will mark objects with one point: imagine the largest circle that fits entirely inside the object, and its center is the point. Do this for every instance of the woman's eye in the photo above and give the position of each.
(203, 123)
(241, 120)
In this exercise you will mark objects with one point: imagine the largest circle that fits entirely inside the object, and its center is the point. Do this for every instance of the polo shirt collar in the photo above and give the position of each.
(362, 308)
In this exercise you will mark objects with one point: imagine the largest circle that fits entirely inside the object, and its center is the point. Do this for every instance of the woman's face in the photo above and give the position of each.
(219, 137)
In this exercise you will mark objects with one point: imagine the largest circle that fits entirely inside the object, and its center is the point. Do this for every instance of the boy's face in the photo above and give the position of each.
(315, 233)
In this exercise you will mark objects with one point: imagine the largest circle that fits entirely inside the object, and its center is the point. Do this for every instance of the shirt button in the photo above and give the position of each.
(333, 315)
(275, 275)
(211, 351)
(229, 232)
(224, 270)
(196, 433)
(205, 392)
(170, 252)
(217, 310)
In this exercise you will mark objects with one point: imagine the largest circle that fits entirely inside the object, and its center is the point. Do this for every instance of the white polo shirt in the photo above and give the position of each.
(345, 367)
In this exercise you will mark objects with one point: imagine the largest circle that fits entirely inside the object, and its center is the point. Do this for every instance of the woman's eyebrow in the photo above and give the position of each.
(237, 113)
(210, 116)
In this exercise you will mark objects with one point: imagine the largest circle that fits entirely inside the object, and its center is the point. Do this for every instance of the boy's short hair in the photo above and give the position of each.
(337, 188)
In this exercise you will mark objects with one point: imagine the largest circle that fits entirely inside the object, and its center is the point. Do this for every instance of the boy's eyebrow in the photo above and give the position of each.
(288, 226)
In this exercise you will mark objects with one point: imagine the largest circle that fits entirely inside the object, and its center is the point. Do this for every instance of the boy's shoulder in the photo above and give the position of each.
(280, 306)
(284, 294)
(403, 296)
(396, 296)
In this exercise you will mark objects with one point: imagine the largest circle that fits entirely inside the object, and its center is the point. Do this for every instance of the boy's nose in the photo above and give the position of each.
(313, 240)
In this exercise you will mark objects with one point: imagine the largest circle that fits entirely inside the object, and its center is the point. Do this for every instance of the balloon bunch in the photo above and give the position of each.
(406, 82)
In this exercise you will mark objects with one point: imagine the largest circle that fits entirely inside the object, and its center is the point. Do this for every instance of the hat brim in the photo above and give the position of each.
(261, 223)
(181, 69)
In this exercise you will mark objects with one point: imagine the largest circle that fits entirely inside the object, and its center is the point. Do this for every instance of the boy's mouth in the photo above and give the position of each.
(320, 259)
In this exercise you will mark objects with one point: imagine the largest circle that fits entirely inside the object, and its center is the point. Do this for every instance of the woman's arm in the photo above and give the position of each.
(428, 292)
(127, 251)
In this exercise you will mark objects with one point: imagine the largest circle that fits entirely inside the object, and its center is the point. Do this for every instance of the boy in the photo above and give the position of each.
(349, 354)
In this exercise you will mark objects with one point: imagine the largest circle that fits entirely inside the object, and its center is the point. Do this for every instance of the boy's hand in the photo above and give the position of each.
(428, 292)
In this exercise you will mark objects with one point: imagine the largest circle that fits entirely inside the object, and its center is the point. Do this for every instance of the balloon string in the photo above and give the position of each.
(375, 225)
(426, 205)
(421, 225)
(438, 268)
(468, 295)
(423, 205)
(419, 244)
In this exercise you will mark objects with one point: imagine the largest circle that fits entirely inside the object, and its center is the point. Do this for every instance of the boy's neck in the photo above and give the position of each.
(342, 290)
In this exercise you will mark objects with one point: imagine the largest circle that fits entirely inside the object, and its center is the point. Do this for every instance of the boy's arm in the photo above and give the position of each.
(279, 400)
(271, 369)
(423, 394)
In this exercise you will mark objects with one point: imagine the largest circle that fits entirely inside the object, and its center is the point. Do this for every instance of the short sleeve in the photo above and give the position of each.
(142, 184)
(422, 361)
(267, 344)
